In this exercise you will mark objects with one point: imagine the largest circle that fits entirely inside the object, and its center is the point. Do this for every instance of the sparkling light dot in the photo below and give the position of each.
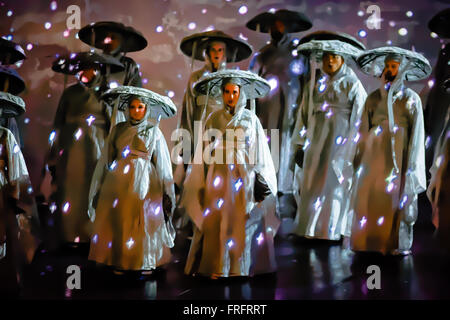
(126, 169)
(380, 221)
(115, 202)
(204, 11)
(403, 201)
(52, 207)
(338, 140)
(430, 83)
(47, 25)
(409, 14)
(273, 83)
(113, 84)
(66, 207)
(302, 132)
(78, 134)
(192, 25)
(378, 130)
(26, 120)
(159, 29)
(230, 243)
(220, 203)
(243, 10)
(157, 210)
(392, 23)
(322, 87)
(390, 187)
(53, 5)
(362, 222)
(77, 240)
(433, 35)
(216, 181)
(206, 212)
(90, 120)
(95, 238)
(66, 33)
(360, 13)
(16, 148)
(238, 184)
(171, 94)
(402, 31)
(113, 165)
(362, 33)
(29, 46)
(9, 13)
(260, 239)
(130, 243)
(109, 244)
(126, 151)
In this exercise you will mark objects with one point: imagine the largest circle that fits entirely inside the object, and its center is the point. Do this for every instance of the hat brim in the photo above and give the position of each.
(335, 46)
(16, 83)
(253, 85)
(243, 49)
(371, 62)
(11, 105)
(324, 35)
(10, 52)
(159, 105)
(71, 65)
(440, 24)
(95, 34)
(292, 20)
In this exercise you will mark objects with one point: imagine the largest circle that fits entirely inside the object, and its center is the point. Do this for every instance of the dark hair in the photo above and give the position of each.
(209, 44)
(235, 81)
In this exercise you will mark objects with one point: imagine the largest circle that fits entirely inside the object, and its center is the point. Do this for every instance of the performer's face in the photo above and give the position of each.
(111, 42)
(331, 63)
(231, 94)
(86, 76)
(277, 30)
(137, 109)
(390, 70)
(217, 53)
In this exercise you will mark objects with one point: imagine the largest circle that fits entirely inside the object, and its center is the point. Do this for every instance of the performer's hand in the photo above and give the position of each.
(167, 207)
(261, 190)
(299, 156)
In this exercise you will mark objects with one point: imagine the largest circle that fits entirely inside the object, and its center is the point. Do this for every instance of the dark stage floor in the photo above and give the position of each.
(306, 270)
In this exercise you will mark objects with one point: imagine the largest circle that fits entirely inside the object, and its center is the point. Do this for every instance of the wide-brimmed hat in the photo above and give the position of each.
(94, 35)
(293, 21)
(372, 62)
(253, 85)
(318, 47)
(73, 63)
(199, 41)
(15, 83)
(440, 23)
(158, 105)
(11, 105)
(332, 35)
(10, 52)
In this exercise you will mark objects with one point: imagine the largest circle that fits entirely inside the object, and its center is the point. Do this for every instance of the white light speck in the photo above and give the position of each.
(109, 244)
(77, 240)
(302, 132)
(433, 35)
(192, 25)
(380, 221)
(378, 130)
(220, 203)
(273, 82)
(157, 210)
(204, 11)
(360, 13)
(66, 33)
(16, 148)
(439, 160)
(427, 142)
(126, 169)
(95, 238)
(216, 181)
(356, 138)
(317, 204)
(430, 83)
(53, 5)
(272, 10)
(30, 190)
(159, 29)
(338, 140)
(362, 33)
(90, 119)
(362, 222)
(403, 201)
(390, 187)
(359, 171)
(243, 37)
(113, 84)
(47, 25)
(306, 145)
(113, 165)
(115, 202)
(206, 212)
(9, 13)
(402, 31)
(126, 152)
(409, 14)
(130, 243)
(325, 106)
(171, 94)
(392, 23)
(78, 134)
(29, 46)
(230, 243)
(52, 207)
(66, 207)
(294, 53)
(238, 184)
(329, 114)
(322, 87)
(243, 10)
(260, 238)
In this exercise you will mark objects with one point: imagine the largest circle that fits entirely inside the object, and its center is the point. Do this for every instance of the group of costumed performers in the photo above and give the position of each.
(354, 162)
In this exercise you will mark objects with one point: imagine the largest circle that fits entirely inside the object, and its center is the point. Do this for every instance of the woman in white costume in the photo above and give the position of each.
(132, 192)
